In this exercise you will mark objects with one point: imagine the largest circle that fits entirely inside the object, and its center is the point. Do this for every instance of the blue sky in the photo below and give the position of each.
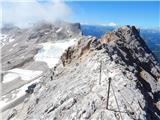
(144, 14)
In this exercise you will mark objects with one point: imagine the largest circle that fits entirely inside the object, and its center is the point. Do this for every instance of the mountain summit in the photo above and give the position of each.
(115, 77)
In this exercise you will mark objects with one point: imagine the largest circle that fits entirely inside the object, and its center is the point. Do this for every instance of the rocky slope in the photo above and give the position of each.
(26, 54)
(19, 46)
(116, 77)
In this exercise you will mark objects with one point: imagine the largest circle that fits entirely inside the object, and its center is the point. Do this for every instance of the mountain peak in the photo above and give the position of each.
(120, 34)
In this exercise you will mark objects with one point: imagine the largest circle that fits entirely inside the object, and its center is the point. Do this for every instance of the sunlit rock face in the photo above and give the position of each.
(116, 77)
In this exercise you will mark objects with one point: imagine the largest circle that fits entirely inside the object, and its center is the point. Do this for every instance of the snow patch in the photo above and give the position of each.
(26, 74)
(51, 52)
(21, 74)
(14, 45)
(10, 77)
(59, 30)
(10, 49)
(5, 39)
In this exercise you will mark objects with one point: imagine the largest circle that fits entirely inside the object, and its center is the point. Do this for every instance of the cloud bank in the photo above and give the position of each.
(25, 12)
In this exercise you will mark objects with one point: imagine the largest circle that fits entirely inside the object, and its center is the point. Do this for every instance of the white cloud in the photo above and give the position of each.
(111, 24)
(23, 12)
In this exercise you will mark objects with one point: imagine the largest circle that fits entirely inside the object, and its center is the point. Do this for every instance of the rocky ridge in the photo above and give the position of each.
(116, 77)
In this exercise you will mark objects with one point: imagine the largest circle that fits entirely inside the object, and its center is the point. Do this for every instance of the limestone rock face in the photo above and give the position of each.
(83, 47)
(108, 79)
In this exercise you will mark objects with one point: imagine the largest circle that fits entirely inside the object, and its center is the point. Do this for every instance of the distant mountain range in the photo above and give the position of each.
(151, 36)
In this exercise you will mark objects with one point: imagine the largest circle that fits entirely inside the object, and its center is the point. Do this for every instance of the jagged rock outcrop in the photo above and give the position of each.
(84, 46)
(116, 77)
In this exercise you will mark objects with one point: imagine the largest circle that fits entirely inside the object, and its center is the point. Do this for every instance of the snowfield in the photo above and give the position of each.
(51, 52)
(22, 74)
(10, 77)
